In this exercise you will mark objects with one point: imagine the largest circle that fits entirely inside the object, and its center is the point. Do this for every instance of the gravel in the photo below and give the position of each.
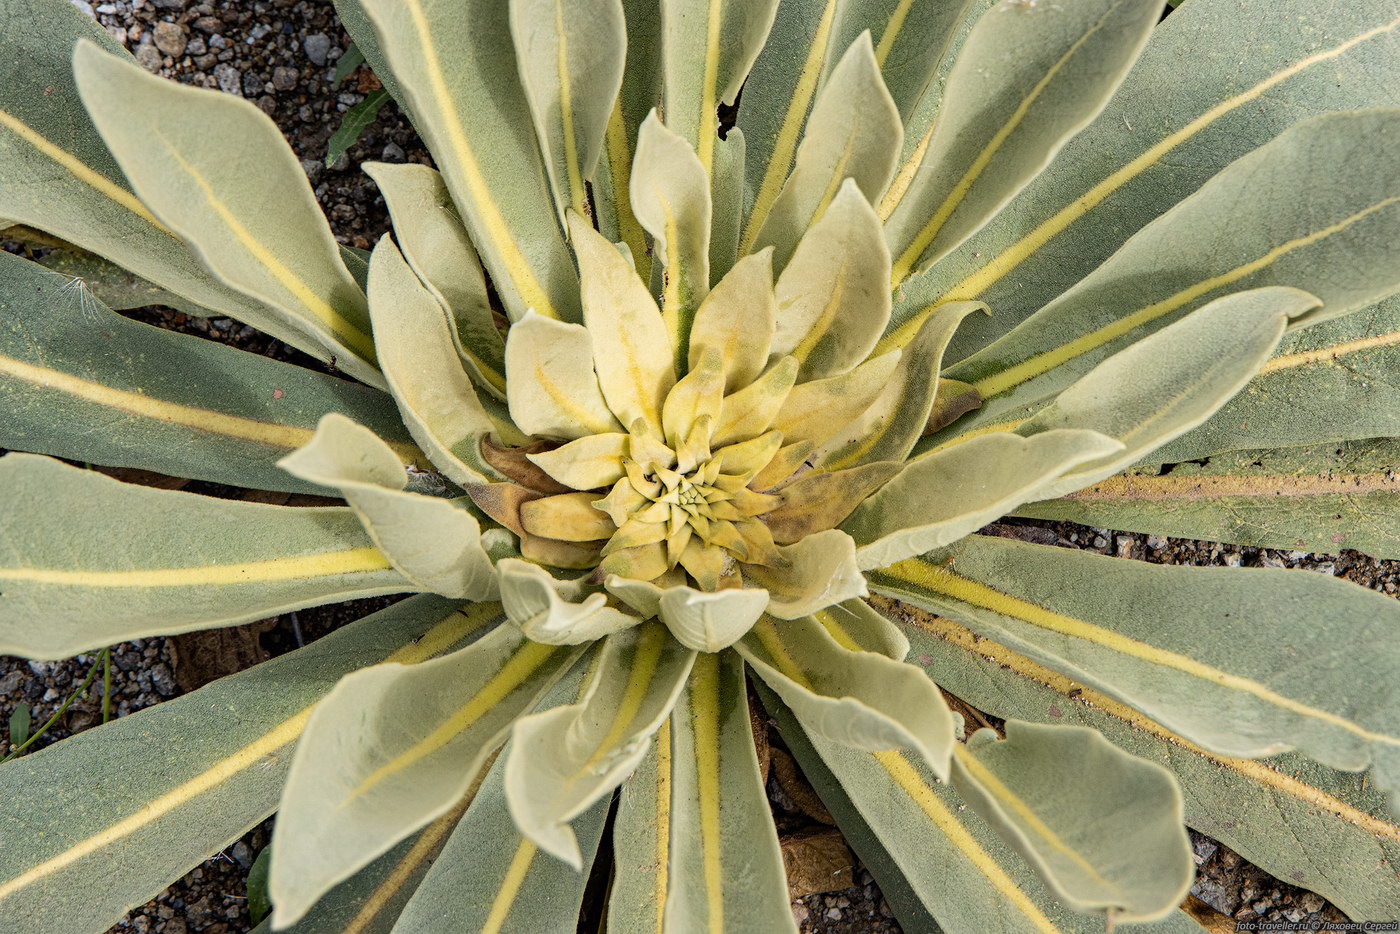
(281, 55)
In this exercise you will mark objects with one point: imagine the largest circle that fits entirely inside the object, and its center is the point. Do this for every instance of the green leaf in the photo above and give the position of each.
(724, 866)
(708, 47)
(355, 121)
(81, 382)
(181, 780)
(641, 92)
(977, 481)
(431, 541)
(425, 374)
(393, 748)
(850, 696)
(737, 319)
(911, 39)
(1141, 399)
(1320, 499)
(893, 424)
(1319, 196)
(259, 905)
(671, 196)
(151, 561)
(461, 86)
(1257, 68)
(1259, 808)
(854, 132)
(635, 370)
(1026, 80)
(1327, 383)
(438, 249)
(185, 150)
(833, 297)
(490, 878)
(20, 722)
(57, 175)
(110, 284)
(570, 57)
(641, 838)
(1245, 662)
(565, 760)
(1102, 827)
(351, 59)
(966, 879)
(551, 381)
(727, 202)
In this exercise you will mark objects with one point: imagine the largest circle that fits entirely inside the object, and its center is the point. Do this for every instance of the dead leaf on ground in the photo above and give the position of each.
(208, 655)
(818, 861)
(797, 788)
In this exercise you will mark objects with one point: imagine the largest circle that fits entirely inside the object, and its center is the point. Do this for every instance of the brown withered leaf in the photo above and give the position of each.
(796, 787)
(818, 861)
(512, 463)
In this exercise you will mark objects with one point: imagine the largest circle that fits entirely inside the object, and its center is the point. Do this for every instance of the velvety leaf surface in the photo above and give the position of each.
(393, 748)
(81, 382)
(1257, 68)
(455, 67)
(724, 865)
(179, 781)
(641, 838)
(1321, 498)
(1027, 79)
(154, 561)
(1259, 807)
(186, 152)
(1245, 662)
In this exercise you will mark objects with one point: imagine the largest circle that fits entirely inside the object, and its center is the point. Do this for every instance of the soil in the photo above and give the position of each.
(282, 55)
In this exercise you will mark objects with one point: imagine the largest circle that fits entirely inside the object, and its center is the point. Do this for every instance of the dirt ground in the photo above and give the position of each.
(282, 55)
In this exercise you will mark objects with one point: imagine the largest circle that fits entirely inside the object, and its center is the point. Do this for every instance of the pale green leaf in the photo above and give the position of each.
(78, 381)
(976, 481)
(1245, 662)
(635, 371)
(641, 837)
(822, 570)
(724, 868)
(854, 132)
(727, 202)
(189, 776)
(707, 47)
(561, 761)
(434, 242)
(489, 878)
(859, 699)
(588, 463)
(570, 54)
(1171, 381)
(546, 610)
(554, 391)
(816, 410)
(710, 621)
(433, 542)
(671, 196)
(1029, 77)
(833, 297)
(1321, 499)
(392, 748)
(1257, 67)
(186, 151)
(1102, 827)
(454, 64)
(425, 374)
(737, 319)
(157, 562)
(1259, 808)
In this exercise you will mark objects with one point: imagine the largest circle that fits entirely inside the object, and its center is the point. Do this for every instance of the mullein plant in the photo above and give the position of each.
(657, 417)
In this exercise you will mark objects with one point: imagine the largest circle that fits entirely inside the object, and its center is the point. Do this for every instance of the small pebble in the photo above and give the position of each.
(229, 78)
(317, 46)
(170, 39)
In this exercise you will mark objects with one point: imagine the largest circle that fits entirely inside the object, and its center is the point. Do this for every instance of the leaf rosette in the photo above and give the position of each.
(653, 416)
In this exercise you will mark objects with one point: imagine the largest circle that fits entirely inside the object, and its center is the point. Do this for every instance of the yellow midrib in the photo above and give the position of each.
(352, 336)
(325, 564)
(663, 821)
(520, 666)
(496, 227)
(709, 90)
(1141, 487)
(992, 784)
(835, 301)
(785, 145)
(905, 177)
(644, 664)
(992, 271)
(445, 633)
(620, 168)
(959, 192)
(943, 581)
(81, 171)
(578, 196)
(705, 688)
(963, 638)
(1325, 354)
(510, 887)
(908, 779)
(892, 30)
(1047, 360)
